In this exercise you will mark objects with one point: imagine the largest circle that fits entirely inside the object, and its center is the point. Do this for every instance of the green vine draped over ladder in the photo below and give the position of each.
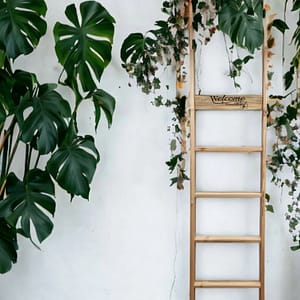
(240, 21)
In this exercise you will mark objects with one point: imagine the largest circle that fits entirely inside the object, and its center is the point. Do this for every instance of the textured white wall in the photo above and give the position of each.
(131, 240)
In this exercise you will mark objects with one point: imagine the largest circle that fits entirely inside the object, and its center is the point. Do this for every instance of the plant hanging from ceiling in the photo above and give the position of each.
(241, 23)
(38, 124)
(284, 121)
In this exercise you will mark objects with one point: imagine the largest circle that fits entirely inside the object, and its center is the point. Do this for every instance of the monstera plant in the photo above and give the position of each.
(38, 126)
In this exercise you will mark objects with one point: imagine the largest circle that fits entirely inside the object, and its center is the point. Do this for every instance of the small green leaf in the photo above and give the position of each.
(173, 145)
(296, 5)
(288, 78)
(295, 248)
(106, 102)
(280, 25)
(270, 208)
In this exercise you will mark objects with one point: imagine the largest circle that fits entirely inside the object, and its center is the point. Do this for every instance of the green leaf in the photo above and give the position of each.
(295, 248)
(27, 201)
(135, 46)
(288, 78)
(291, 112)
(296, 5)
(280, 25)
(8, 246)
(106, 102)
(2, 58)
(242, 23)
(84, 50)
(270, 208)
(73, 165)
(46, 122)
(173, 145)
(21, 25)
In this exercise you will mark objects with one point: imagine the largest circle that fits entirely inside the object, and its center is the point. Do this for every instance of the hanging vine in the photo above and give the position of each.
(284, 121)
(241, 22)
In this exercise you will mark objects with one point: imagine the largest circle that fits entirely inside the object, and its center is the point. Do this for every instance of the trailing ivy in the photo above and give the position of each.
(241, 21)
(143, 54)
(284, 119)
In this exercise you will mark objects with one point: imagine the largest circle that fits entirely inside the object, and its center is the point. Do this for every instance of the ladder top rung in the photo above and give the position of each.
(228, 102)
(227, 239)
(228, 194)
(227, 284)
(228, 149)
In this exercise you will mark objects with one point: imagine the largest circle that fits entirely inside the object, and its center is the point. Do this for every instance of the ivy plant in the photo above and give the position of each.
(241, 23)
(37, 123)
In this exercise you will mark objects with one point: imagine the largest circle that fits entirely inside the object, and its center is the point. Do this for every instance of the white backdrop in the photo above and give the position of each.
(131, 241)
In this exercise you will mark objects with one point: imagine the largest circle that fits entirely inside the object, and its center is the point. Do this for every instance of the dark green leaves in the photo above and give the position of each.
(73, 165)
(242, 21)
(46, 122)
(280, 25)
(134, 47)
(84, 49)
(21, 25)
(103, 101)
(27, 201)
(8, 246)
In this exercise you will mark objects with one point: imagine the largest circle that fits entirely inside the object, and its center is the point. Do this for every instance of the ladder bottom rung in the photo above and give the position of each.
(227, 239)
(227, 284)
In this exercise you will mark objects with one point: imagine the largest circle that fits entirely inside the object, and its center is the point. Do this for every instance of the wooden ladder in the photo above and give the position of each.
(230, 102)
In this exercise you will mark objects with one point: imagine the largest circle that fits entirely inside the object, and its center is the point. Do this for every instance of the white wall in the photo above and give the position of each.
(132, 239)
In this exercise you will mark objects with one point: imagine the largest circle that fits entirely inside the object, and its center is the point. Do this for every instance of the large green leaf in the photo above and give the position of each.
(106, 102)
(135, 47)
(21, 25)
(27, 201)
(46, 122)
(84, 49)
(8, 246)
(73, 165)
(243, 21)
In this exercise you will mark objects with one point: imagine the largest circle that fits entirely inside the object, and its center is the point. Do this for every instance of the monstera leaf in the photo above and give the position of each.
(73, 165)
(134, 47)
(85, 48)
(103, 101)
(27, 202)
(46, 122)
(8, 246)
(21, 25)
(242, 20)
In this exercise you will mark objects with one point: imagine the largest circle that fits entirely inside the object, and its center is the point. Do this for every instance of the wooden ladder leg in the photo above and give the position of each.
(263, 161)
(192, 159)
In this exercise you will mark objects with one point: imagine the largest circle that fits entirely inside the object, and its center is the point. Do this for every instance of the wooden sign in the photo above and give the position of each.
(228, 102)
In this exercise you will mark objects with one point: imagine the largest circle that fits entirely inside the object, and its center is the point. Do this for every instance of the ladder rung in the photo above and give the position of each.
(227, 284)
(228, 149)
(227, 194)
(228, 102)
(227, 239)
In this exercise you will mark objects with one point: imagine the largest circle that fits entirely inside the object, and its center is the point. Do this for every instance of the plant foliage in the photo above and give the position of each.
(36, 121)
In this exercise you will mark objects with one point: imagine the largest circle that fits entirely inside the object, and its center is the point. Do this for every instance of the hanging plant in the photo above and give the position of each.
(36, 117)
(141, 56)
(241, 22)
(283, 120)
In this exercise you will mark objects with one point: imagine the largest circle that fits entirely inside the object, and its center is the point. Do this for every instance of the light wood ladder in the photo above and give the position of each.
(237, 102)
